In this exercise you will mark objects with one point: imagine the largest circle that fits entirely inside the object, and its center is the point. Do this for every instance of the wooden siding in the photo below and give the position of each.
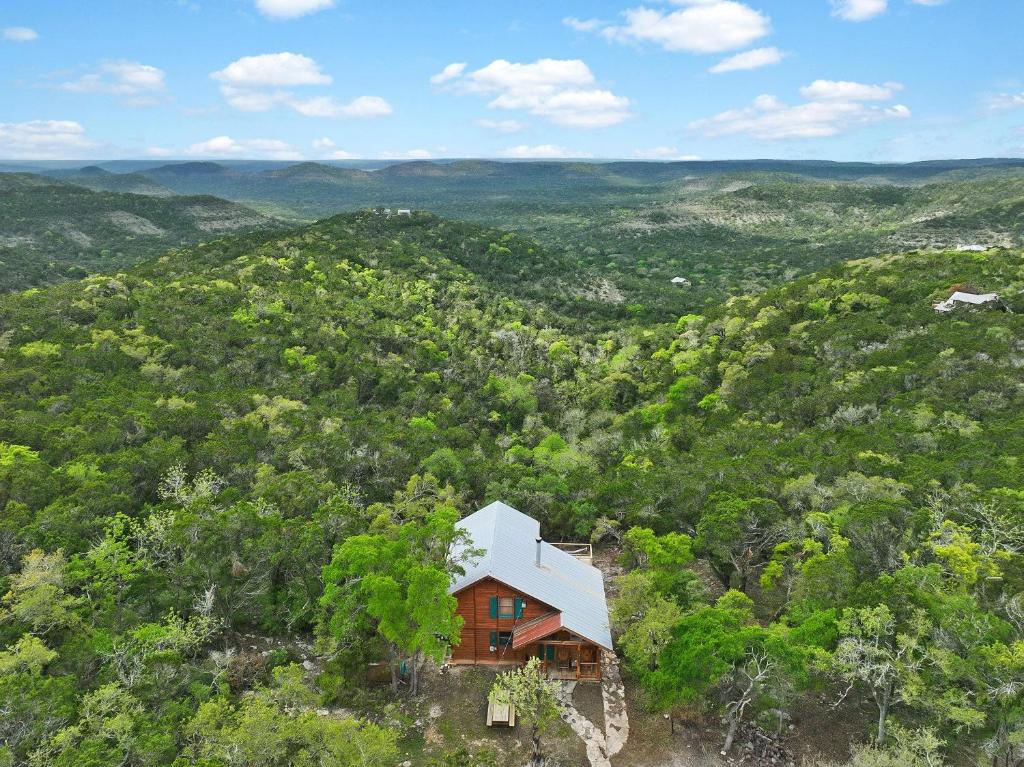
(475, 639)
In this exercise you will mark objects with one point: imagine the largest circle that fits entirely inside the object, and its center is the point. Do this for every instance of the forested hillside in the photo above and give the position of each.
(727, 227)
(52, 231)
(816, 487)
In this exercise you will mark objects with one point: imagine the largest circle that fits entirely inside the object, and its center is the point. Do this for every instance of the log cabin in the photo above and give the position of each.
(523, 597)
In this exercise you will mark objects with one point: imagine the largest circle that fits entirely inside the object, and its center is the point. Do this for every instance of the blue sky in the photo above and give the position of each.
(335, 79)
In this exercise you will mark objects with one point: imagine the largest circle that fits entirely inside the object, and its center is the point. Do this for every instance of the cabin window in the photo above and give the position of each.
(501, 639)
(507, 607)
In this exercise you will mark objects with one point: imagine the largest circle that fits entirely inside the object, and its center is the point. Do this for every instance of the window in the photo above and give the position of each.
(506, 607)
(500, 639)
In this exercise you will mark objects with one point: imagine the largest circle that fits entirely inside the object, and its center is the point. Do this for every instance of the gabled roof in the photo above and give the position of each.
(574, 588)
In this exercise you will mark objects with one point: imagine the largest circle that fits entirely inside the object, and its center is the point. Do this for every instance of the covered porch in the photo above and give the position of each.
(563, 655)
(571, 660)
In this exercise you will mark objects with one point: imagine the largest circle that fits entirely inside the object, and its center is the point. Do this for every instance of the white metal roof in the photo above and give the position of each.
(965, 298)
(509, 540)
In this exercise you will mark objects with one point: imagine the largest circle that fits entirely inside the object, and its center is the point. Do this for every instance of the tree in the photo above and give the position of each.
(535, 699)
(276, 727)
(737, 535)
(399, 578)
(664, 559)
(720, 652)
(872, 652)
(38, 597)
(645, 617)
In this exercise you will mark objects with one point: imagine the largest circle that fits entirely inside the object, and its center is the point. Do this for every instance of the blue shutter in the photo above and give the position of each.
(519, 607)
(540, 651)
(551, 652)
(494, 608)
(494, 639)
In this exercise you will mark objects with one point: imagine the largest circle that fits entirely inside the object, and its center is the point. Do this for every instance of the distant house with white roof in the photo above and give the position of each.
(964, 297)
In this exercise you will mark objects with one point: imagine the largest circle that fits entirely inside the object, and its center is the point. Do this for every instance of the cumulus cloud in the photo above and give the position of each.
(844, 90)
(663, 153)
(326, 106)
(700, 26)
(138, 84)
(225, 146)
(502, 126)
(44, 140)
(754, 59)
(858, 10)
(833, 107)
(260, 83)
(272, 69)
(563, 91)
(450, 72)
(541, 152)
(291, 9)
(19, 34)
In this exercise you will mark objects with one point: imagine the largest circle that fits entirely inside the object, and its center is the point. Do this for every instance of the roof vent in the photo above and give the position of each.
(539, 542)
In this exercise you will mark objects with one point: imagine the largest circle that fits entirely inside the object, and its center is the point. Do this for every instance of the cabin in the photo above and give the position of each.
(523, 597)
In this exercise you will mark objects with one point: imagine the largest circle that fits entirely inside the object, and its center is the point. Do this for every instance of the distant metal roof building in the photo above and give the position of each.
(959, 297)
(509, 539)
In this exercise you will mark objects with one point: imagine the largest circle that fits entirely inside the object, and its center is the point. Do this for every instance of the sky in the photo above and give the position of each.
(874, 80)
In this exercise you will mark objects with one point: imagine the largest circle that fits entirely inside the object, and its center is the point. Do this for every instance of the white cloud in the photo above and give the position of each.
(858, 10)
(583, 25)
(272, 70)
(702, 26)
(19, 34)
(663, 153)
(225, 146)
(832, 108)
(137, 83)
(1000, 101)
(291, 9)
(844, 90)
(44, 140)
(754, 59)
(541, 151)
(327, 106)
(560, 90)
(260, 83)
(502, 126)
(159, 151)
(450, 72)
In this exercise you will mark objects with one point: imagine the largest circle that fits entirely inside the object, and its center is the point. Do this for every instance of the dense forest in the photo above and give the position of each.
(815, 490)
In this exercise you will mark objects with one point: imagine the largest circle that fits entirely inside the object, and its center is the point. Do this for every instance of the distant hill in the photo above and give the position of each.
(53, 230)
(100, 180)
